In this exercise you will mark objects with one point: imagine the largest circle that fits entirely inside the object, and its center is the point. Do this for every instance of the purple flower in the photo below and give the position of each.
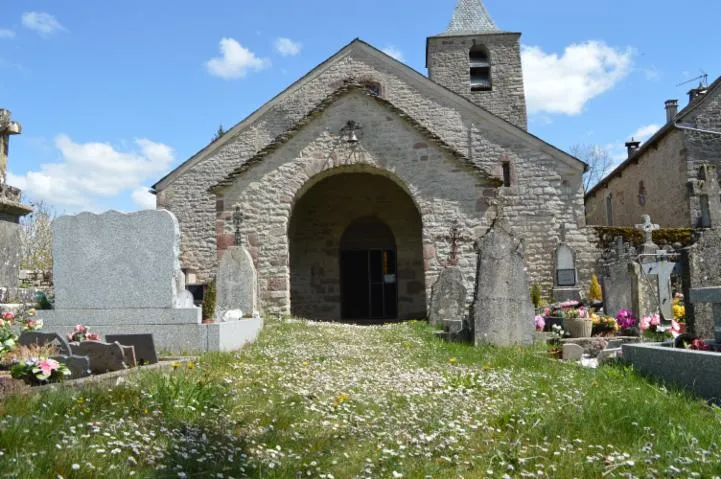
(540, 322)
(625, 319)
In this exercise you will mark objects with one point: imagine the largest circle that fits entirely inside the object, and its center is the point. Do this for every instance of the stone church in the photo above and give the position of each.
(364, 179)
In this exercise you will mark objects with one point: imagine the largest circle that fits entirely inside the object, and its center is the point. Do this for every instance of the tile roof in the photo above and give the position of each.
(470, 17)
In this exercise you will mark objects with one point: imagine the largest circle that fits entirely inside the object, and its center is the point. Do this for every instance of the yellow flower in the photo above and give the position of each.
(679, 311)
(453, 360)
(190, 365)
(176, 365)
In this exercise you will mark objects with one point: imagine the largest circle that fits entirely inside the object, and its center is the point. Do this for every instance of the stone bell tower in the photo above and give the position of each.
(11, 210)
(477, 60)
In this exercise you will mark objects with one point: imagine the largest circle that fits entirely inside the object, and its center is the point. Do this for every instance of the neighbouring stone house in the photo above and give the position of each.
(364, 179)
(664, 177)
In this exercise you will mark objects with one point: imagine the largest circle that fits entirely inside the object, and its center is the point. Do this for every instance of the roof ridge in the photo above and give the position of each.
(348, 86)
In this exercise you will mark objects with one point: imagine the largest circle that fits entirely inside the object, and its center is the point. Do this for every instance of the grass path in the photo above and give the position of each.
(338, 401)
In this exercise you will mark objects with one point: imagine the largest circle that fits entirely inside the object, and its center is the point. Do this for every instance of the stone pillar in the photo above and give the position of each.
(11, 209)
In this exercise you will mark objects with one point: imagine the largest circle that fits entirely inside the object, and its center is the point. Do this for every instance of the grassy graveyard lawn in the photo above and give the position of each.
(337, 401)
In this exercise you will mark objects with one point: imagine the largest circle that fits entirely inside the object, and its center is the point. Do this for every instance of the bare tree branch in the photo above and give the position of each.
(598, 162)
(37, 238)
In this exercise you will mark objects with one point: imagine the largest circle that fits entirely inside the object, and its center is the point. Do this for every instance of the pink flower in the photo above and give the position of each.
(92, 337)
(47, 366)
(645, 323)
(547, 311)
(80, 329)
(8, 316)
(655, 320)
(540, 322)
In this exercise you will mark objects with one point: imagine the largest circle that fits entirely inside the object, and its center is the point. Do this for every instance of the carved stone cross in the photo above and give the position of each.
(649, 247)
(619, 247)
(706, 189)
(238, 218)
(662, 269)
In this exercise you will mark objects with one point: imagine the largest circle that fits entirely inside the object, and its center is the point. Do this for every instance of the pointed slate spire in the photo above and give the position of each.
(470, 17)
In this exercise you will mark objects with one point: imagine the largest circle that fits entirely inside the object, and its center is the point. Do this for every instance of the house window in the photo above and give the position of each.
(609, 209)
(480, 66)
(506, 173)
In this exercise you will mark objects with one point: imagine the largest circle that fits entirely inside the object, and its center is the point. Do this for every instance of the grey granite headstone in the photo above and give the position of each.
(104, 357)
(236, 282)
(448, 297)
(712, 296)
(143, 345)
(572, 352)
(79, 366)
(37, 338)
(502, 312)
(116, 260)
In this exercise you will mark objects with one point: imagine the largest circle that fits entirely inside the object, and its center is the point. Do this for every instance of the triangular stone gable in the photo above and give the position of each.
(412, 82)
(342, 92)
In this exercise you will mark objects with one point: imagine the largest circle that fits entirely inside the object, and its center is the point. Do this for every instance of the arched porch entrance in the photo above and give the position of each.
(356, 251)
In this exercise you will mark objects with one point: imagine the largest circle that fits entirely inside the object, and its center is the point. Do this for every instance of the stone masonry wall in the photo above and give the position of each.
(553, 188)
(448, 65)
(703, 147)
(662, 169)
(442, 188)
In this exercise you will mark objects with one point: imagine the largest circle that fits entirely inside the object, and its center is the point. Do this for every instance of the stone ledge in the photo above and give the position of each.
(180, 338)
(103, 317)
(696, 371)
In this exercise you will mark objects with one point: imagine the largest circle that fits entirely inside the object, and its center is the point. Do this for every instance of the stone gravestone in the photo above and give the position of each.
(37, 338)
(236, 283)
(625, 286)
(701, 267)
(572, 352)
(565, 284)
(79, 366)
(142, 344)
(617, 280)
(707, 192)
(104, 357)
(448, 297)
(712, 296)
(502, 312)
(660, 270)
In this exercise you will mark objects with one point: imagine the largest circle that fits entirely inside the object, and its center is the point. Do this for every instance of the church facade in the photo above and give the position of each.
(362, 181)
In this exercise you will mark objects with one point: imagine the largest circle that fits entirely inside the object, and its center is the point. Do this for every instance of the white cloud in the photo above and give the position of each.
(236, 61)
(563, 84)
(143, 198)
(287, 47)
(41, 22)
(7, 33)
(89, 173)
(392, 51)
(645, 132)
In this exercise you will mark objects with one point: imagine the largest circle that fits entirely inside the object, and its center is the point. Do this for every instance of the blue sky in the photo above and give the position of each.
(113, 95)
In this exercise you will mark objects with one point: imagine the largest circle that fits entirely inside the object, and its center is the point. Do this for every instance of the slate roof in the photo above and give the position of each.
(655, 138)
(470, 17)
(322, 106)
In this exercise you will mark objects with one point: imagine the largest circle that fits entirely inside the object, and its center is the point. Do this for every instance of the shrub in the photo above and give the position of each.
(209, 301)
(536, 295)
(594, 291)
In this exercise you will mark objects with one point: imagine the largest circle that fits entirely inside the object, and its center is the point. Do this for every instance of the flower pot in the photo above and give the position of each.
(551, 321)
(578, 327)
